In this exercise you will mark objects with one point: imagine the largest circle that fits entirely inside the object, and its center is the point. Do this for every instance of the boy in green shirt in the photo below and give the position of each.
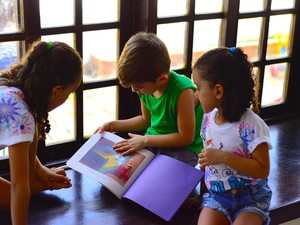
(171, 114)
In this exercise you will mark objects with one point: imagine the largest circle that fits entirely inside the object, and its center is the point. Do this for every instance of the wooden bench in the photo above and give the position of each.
(89, 203)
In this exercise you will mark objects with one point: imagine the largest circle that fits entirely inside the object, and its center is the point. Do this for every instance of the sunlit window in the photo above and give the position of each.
(54, 16)
(99, 106)
(279, 36)
(62, 121)
(204, 41)
(208, 6)
(248, 36)
(100, 11)
(10, 22)
(164, 9)
(174, 36)
(282, 4)
(9, 16)
(278, 46)
(274, 86)
(100, 54)
(66, 38)
(9, 53)
(99, 60)
(251, 6)
(3, 153)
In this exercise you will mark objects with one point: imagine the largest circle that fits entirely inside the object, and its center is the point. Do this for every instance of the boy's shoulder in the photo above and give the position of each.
(180, 80)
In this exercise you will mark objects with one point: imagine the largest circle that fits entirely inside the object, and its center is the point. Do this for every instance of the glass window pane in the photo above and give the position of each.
(279, 36)
(174, 36)
(282, 4)
(8, 54)
(57, 13)
(99, 106)
(204, 41)
(248, 36)
(100, 54)
(178, 8)
(3, 153)
(274, 84)
(256, 72)
(66, 38)
(208, 6)
(9, 15)
(251, 6)
(62, 121)
(100, 11)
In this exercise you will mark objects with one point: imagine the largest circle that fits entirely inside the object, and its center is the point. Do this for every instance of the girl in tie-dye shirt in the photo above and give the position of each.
(236, 141)
(42, 81)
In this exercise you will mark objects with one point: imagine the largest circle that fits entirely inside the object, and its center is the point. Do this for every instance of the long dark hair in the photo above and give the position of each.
(45, 65)
(230, 68)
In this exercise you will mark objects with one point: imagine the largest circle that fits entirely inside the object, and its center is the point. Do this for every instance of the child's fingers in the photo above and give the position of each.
(60, 178)
(55, 185)
(60, 171)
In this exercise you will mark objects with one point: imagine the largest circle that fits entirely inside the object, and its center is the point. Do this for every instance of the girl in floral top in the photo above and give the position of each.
(236, 141)
(45, 78)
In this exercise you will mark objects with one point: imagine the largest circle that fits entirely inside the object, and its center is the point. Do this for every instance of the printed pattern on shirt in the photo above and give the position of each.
(15, 117)
(236, 139)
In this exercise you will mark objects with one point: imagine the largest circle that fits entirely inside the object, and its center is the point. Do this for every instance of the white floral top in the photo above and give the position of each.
(239, 138)
(16, 121)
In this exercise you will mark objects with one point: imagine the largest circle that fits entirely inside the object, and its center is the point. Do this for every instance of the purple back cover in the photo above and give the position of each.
(164, 185)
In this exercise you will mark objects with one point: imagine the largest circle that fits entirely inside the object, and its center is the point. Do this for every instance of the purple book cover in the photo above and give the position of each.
(164, 185)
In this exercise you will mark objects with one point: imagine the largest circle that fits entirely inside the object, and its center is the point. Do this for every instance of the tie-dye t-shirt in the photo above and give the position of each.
(240, 138)
(16, 121)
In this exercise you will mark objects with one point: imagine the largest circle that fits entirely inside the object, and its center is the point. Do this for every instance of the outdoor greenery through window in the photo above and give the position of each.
(98, 29)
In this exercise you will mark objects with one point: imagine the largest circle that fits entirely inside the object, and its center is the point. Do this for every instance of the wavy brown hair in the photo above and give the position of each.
(45, 65)
(230, 68)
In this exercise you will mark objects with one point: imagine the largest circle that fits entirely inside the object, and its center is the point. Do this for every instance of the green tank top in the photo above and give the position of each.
(163, 110)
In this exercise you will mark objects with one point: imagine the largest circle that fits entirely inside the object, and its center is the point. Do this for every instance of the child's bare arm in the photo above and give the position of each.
(258, 166)
(20, 187)
(186, 117)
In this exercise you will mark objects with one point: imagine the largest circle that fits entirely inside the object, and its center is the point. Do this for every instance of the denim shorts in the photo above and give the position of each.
(232, 203)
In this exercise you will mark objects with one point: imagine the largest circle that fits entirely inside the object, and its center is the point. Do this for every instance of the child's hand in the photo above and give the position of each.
(193, 203)
(59, 179)
(129, 146)
(54, 178)
(210, 156)
(104, 127)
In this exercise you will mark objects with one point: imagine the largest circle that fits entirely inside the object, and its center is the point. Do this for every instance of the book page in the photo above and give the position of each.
(164, 186)
(98, 160)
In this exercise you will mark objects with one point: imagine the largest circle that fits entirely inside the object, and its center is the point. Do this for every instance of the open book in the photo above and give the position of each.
(159, 183)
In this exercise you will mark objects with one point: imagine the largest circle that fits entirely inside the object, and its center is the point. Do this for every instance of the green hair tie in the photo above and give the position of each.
(49, 45)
